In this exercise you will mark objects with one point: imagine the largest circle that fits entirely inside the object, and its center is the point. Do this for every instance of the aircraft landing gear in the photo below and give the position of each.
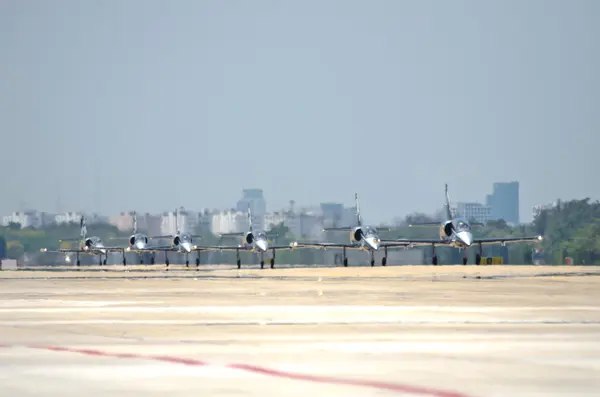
(152, 259)
(465, 257)
(262, 261)
(434, 258)
(198, 261)
(273, 260)
(345, 257)
(187, 260)
(384, 259)
(100, 261)
(479, 255)
(166, 260)
(372, 258)
(78, 263)
(239, 261)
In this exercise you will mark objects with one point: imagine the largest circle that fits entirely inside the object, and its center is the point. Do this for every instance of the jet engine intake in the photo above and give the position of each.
(176, 240)
(88, 242)
(356, 234)
(249, 238)
(448, 228)
(132, 240)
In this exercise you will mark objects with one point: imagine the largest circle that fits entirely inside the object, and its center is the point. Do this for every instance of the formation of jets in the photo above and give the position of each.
(454, 232)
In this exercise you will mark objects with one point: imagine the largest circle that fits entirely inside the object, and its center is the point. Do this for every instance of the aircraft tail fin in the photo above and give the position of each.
(358, 217)
(249, 219)
(135, 229)
(448, 212)
(82, 228)
(177, 221)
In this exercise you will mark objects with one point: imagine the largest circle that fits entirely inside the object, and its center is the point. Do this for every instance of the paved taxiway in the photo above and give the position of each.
(409, 330)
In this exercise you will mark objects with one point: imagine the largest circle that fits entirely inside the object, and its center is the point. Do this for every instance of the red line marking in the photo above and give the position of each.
(264, 371)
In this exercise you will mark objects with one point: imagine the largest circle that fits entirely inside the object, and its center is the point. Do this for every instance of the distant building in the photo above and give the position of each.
(24, 218)
(146, 223)
(231, 221)
(67, 217)
(333, 214)
(479, 212)
(254, 199)
(186, 223)
(504, 202)
(276, 218)
(205, 217)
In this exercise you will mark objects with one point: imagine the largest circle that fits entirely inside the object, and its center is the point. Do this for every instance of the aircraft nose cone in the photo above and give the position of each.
(466, 238)
(187, 247)
(139, 245)
(373, 242)
(261, 244)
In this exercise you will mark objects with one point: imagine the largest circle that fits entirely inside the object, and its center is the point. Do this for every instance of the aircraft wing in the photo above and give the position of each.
(393, 244)
(504, 240)
(93, 251)
(296, 244)
(165, 248)
(218, 248)
(416, 242)
(281, 247)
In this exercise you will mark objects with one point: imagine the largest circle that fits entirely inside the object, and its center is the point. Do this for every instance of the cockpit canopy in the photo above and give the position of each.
(369, 231)
(185, 238)
(261, 236)
(460, 225)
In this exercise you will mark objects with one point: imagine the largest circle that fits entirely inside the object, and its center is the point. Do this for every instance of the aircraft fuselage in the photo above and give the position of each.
(365, 237)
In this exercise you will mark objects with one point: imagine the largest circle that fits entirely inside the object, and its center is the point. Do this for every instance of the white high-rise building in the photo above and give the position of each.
(230, 221)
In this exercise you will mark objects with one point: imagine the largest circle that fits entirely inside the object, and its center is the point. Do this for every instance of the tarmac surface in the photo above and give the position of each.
(445, 331)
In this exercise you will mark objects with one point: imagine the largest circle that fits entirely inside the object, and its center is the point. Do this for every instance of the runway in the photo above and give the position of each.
(445, 331)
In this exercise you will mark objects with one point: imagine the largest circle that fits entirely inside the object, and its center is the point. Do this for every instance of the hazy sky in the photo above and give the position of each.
(147, 105)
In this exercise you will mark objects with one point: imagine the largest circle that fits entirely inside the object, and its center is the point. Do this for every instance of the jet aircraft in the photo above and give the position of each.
(456, 232)
(363, 238)
(138, 243)
(180, 243)
(88, 245)
(251, 242)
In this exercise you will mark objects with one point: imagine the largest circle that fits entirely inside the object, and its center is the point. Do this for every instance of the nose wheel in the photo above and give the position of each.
(384, 259)
(345, 257)
(479, 255)
(434, 258)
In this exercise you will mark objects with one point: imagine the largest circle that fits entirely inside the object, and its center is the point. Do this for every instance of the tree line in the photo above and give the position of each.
(570, 229)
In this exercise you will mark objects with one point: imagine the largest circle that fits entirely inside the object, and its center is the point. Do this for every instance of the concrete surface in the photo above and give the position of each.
(409, 330)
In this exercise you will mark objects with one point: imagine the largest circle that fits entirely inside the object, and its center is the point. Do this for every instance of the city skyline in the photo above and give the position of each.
(480, 211)
(390, 100)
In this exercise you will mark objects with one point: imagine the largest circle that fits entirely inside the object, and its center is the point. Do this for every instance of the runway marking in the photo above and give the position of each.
(296, 322)
(287, 309)
(415, 390)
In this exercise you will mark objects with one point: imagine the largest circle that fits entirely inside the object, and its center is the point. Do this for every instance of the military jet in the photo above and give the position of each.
(363, 238)
(251, 242)
(137, 242)
(88, 245)
(456, 232)
(181, 243)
